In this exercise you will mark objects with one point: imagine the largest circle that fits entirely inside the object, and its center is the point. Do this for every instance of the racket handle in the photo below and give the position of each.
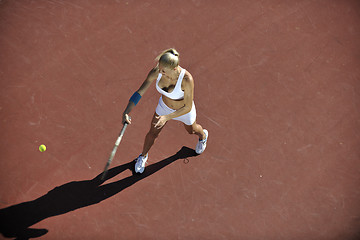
(121, 134)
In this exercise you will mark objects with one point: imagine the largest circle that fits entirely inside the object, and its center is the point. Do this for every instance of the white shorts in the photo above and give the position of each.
(189, 118)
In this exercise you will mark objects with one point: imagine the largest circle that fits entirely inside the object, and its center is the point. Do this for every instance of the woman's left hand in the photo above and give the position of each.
(161, 121)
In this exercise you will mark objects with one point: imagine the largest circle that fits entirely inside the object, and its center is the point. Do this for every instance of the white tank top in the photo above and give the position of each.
(177, 93)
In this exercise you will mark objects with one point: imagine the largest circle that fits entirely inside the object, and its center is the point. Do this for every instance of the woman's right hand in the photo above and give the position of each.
(126, 119)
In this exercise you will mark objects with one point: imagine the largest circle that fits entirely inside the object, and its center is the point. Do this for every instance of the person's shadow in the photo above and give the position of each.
(16, 220)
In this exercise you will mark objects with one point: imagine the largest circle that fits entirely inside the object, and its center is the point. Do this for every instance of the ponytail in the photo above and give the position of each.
(169, 57)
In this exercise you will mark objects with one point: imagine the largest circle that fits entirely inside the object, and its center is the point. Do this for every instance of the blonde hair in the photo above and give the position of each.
(169, 58)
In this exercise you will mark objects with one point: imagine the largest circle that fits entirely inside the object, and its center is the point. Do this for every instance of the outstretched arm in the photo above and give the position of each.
(138, 94)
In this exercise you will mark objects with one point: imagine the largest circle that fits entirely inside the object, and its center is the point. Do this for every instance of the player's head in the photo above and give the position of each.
(169, 58)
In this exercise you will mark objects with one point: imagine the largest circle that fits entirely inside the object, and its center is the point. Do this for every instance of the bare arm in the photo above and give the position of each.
(143, 88)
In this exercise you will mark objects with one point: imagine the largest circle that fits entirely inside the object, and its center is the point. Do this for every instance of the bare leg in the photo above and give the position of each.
(195, 129)
(151, 135)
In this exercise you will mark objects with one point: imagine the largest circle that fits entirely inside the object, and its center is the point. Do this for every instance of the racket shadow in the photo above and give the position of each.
(16, 220)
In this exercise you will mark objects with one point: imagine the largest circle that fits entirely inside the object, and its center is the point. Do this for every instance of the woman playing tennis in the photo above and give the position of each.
(176, 87)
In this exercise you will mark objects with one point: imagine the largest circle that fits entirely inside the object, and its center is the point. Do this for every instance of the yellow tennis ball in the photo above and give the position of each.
(42, 148)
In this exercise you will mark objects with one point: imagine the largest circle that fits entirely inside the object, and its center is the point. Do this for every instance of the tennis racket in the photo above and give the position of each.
(114, 151)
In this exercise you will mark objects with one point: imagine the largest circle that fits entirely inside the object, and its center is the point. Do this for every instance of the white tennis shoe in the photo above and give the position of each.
(140, 163)
(201, 145)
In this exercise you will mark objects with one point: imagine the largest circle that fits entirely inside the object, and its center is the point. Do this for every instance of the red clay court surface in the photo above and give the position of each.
(276, 84)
